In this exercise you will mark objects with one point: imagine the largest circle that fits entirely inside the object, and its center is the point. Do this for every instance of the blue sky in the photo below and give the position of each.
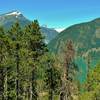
(54, 13)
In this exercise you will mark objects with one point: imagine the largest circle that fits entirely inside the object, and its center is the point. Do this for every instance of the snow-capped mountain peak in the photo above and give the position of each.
(14, 13)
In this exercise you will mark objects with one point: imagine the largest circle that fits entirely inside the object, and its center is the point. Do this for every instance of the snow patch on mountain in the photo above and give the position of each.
(16, 13)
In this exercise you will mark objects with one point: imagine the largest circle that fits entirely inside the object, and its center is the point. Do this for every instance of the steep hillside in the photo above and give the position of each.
(85, 36)
(86, 40)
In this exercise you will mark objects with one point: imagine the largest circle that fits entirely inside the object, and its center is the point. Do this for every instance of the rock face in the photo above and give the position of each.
(10, 18)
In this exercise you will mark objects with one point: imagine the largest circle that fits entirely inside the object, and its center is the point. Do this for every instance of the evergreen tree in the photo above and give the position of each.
(14, 34)
(52, 78)
(37, 48)
(21, 53)
(2, 57)
(3, 62)
(67, 77)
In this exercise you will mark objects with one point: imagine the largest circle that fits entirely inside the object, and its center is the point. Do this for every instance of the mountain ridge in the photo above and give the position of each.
(8, 19)
(77, 27)
(86, 40)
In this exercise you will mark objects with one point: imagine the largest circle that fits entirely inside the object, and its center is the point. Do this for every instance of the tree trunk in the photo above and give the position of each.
(1, 84)
(30, 95)
(17, 72)
(5, 85)
(50, 94)
(61, 96)
(1, 73)
(69, 96)
(34, 91)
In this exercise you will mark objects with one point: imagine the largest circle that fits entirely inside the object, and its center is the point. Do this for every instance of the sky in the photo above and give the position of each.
(57, 14)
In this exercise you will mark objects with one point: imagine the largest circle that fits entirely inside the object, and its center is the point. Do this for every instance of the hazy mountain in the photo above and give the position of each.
(50, 33)
(10, 18)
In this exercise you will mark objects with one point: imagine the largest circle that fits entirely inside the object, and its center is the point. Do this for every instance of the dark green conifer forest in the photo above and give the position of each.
(29, 71)
(23, 54)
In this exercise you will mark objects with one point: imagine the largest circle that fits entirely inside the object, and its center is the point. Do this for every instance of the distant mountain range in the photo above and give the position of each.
(10, 18)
